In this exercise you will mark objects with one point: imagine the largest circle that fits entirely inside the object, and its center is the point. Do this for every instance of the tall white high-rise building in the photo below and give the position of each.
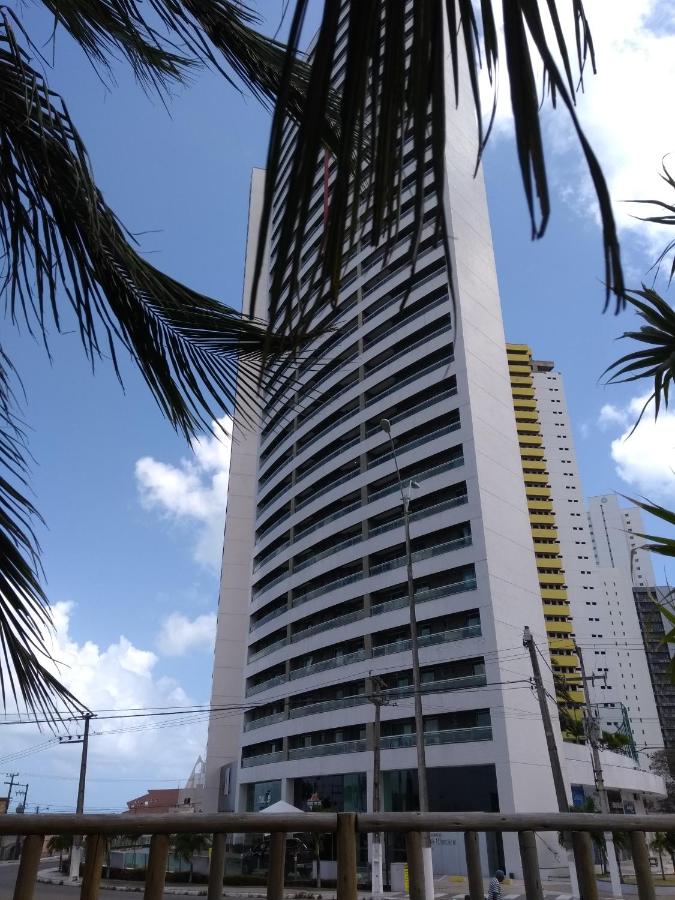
(313, 596)
(314, 590)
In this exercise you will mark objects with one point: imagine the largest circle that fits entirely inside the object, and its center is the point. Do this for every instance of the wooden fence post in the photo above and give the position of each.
(217, 866)
(346, 857)
(28, 867)
(473, 869)
(530, 861)
(277, 866)
(155, 875)
(585, 864)
(413, 848)
(93, 865)
(643, 872)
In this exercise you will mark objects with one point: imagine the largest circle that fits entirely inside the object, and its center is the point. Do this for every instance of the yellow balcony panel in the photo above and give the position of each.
(521, 381)
(518, 368)
(567, 627)
(540, 505)
(536, 477)
(553, 566)
(550, 582)
(555, 609)
(537, 492)
(530, 454)
(535, 465)
(558, 659)
(553, 594)
(513, 347)
(527, 428)
(522, 393)
(544, 529)
(542, 518)
(523, 404)
(541, 547)
(526, 420)
(529, 441)
(576, 696)
(560, 644)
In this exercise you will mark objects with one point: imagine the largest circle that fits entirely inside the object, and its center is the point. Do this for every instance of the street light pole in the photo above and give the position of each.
(422, 788)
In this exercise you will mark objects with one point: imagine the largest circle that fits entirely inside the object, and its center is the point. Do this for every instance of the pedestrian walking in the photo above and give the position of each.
(495, 886)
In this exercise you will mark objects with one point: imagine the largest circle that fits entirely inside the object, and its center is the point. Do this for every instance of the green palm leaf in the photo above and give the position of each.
(657, 360)
(25, 675)
(388, 91)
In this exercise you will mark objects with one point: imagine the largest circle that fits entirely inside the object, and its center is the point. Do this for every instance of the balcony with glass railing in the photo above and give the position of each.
(261, 686)
(429, 640)
(263, 759)
(421, 596)
(440, 685)
(261, 721)
(328, 625)
(269, 648)
(254, 624)
(433, 738)
(335, 662)
(311, 709)
(419, 555)
(327, 749)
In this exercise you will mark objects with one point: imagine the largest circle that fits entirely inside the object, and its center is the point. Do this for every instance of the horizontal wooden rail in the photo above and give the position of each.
(325, 823)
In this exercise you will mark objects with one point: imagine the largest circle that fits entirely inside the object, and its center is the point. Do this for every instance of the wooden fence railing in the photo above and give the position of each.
(346, 826)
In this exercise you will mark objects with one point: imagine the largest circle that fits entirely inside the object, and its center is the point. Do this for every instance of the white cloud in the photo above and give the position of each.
(194, 492)
(120, 676)
(621, 111)
(178, 634)
(644, 459)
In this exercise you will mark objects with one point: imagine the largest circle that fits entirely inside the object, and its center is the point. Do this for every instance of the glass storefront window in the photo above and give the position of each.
(262, 794)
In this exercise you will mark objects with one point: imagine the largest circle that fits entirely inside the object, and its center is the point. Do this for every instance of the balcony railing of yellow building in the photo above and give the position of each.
(98, 829)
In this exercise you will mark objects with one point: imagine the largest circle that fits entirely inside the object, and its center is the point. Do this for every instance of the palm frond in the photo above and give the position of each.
(657, 360)
(217, 33)
(665, 217)
(59, 239)
(661, 545)
(393, 85)
(24, 613)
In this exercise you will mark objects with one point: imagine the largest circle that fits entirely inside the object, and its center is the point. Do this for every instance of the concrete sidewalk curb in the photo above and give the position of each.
(52, 877)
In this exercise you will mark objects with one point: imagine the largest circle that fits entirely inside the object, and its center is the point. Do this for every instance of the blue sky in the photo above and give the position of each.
(127, 560)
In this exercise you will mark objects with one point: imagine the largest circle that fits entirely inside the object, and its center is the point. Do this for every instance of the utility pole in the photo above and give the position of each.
(12, 778)
(422, 788)
(593, 734)
(76, 848)
(376, 686)
(554, 757)
(20, 810)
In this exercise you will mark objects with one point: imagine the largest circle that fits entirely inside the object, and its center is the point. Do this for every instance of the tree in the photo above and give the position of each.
(57, 843)
(66, 262)
(66, 256)
(186, 845)
(659, 843)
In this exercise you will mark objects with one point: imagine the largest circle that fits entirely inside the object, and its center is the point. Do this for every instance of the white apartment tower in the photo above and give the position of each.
(601, 561)
(314, 592)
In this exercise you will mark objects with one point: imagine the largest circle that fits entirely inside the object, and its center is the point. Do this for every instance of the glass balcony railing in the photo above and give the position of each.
(266, 685)
(422, 476)
(413, 345)
(439, 686)
(402, 382)
(258, 591)
(342, 446)
(327, 749)
(299, 599)
(260, 722)
(468, 584)
(429, 640)
(419, 555)
(326, 519)
(298, 567)
(270, 648)
(333, 663)
(327, 706)
(374, 426)
(328, 625)
(263, 759)
(273, 614)
(265, 559)
(431, 738)
(348, 476)
(421, 514)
